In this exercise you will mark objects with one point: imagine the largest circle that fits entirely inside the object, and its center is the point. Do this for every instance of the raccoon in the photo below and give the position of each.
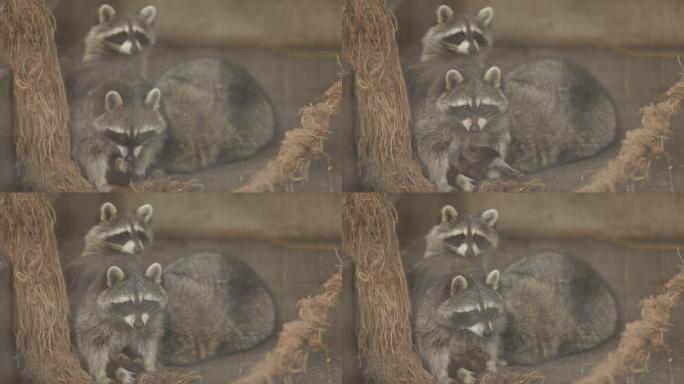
(217, 306)
(458, 315)
(217, 113)
(116, 306)
(117, 124)
(460, 111)
(120, 36)
(458, 35)
(559, 114)
(120, 234)
(555, 305)
(463, 235)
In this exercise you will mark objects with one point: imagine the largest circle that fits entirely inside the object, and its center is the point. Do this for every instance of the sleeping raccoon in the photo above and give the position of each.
(126, 37)
(117, 123)
(462, 235)
(457, 317)
(217, 306)
(559, 113)
(119, 233)
(458, 35)
(117, 306)
(217, 113)
(462, 110)
(555, 305)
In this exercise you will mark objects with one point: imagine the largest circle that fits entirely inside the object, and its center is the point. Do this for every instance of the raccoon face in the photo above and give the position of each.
(130, 124)
(121, 232)
(133, 298)
(465, 235)
(126, 34)
(464, 35)
(473, 103)
(475, 307)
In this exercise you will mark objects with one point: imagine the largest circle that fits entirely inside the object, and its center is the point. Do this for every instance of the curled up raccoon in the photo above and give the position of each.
(217, 113)
(556, 305)
(117, 306)
(457, 317)
(463, 235)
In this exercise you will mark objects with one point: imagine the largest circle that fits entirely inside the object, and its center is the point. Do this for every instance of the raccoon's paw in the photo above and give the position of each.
(445, 380)
(445, 188)
(104, 380)
(465, 183)
(491, 366)
(122, 165)
(498, 165)
(124, 376)
(503, 363)
(103, 187)
(465, 376)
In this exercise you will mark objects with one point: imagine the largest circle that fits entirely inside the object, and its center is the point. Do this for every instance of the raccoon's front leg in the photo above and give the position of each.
(146, 157)
(492, 348)
(438, 363)
(149, 350)
(437, 165)
(499, 163)
(95, 170)
(96, 359)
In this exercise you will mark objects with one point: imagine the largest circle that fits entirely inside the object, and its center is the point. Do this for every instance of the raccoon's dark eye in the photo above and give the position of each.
(120, 238)
(117, 38)
(145, 136)
(480, 39)
(488, 110)
(481, 241)
(117, 138)
(122, 308)
(143, 236)
(456, 240)
(142, 39)
(493, 312)
(455, 39)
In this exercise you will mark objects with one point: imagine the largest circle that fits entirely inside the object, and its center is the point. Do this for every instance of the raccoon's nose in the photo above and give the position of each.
(130, 159)
(138, 323)
(472, 48)
(138, 249)
(469, 252)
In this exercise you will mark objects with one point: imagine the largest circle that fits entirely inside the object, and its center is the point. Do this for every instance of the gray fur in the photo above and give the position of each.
(458, 35)
(217, 306)
(559, 113)
(109, 137)
(555, 305)
(459, 110)
(103, 323)
(115, 230)
(462, 235)
(217, 113)
(455, 333)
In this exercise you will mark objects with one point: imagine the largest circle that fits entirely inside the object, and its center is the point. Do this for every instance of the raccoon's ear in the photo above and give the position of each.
(449, 213)
(453, 78)
(154, 273)
(486, 15)
(107, 211)
(113, 100)
(444, 13)
(114, 275)
(458, 284)
(145, 212)
(492, 280)
(490, 217)
(148, 14)
(105, 13)
(153, 98)
(493, 76)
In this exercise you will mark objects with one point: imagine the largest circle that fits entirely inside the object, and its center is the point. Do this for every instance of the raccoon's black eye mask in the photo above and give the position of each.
(143, 236)
(456, 240)
(455, 39)
(142, 39)
(481, 241)
(117, 38)
(480, 39)
(120, 238)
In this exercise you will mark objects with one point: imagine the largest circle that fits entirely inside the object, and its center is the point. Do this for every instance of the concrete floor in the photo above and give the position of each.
(292, 272)
(633, 272)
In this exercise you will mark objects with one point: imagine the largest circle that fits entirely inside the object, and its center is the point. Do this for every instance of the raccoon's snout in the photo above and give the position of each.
(138, 324)
(130, 159)
(469, 253)
(487, 332)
